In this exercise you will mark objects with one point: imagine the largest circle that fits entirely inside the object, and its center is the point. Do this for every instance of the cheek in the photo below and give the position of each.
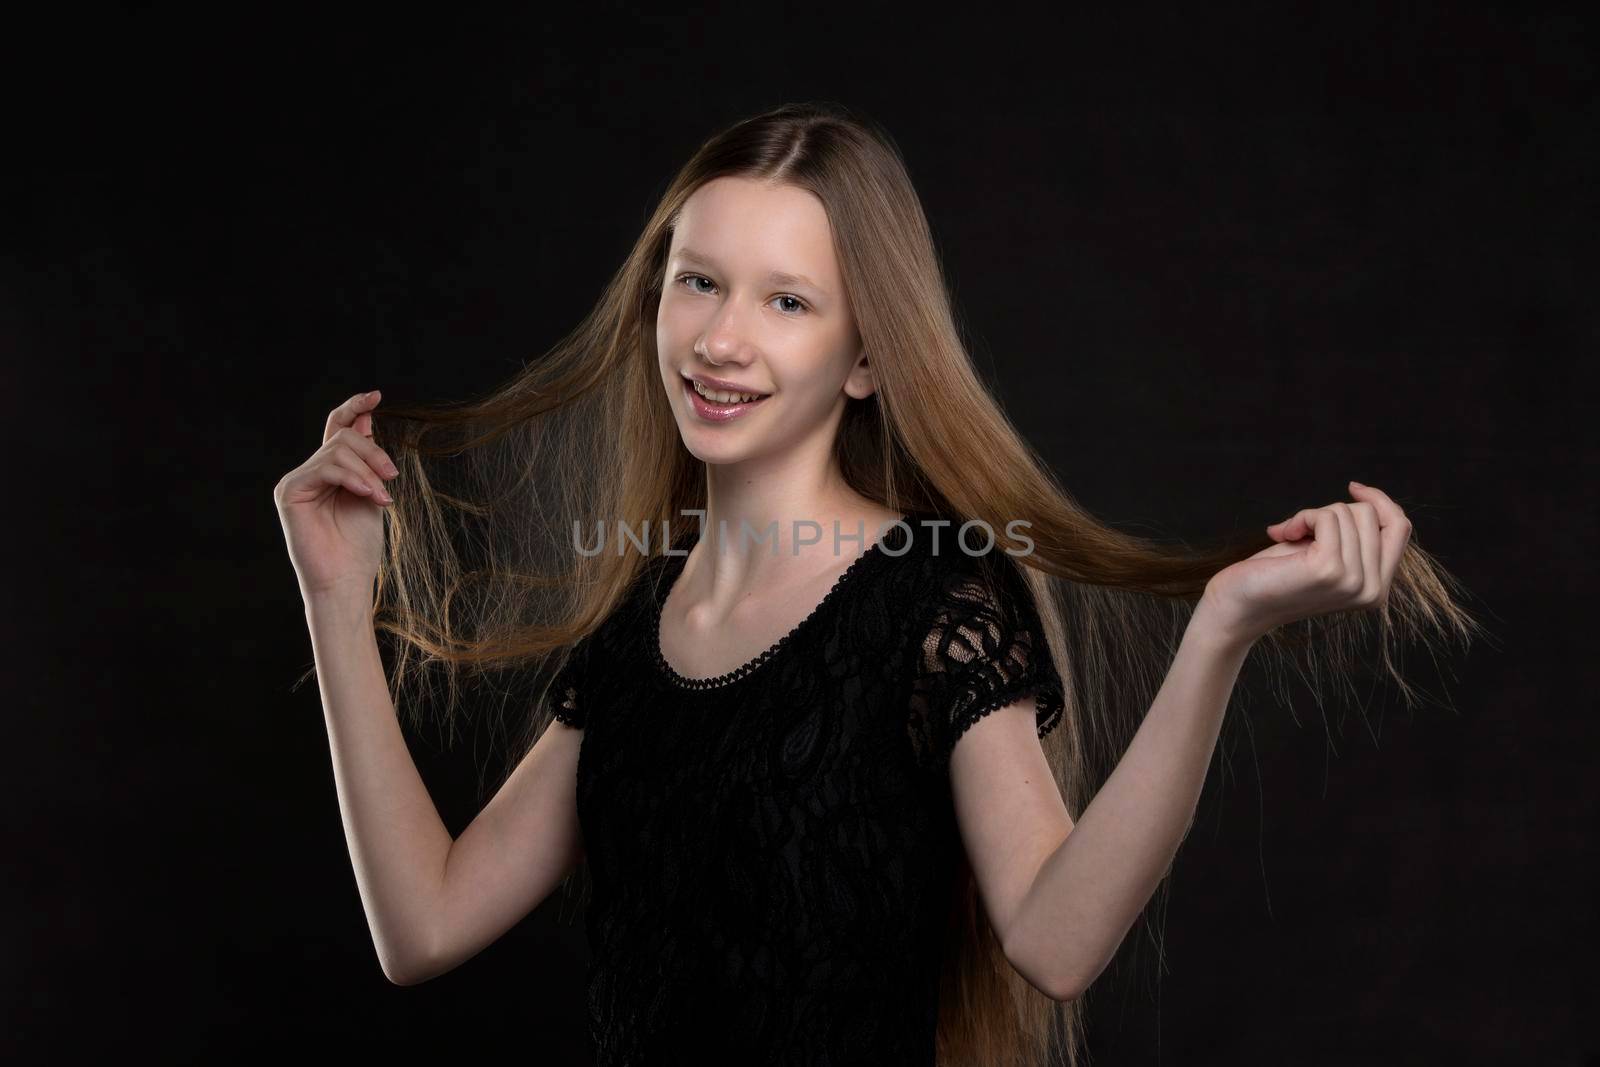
(664, 333)
(676, 328)
(819, 370)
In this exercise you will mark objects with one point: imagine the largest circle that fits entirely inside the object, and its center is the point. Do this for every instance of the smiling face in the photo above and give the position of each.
(752, 295)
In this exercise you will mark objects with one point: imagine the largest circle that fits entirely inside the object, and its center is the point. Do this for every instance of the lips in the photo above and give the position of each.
(722, 385)
(718, 411)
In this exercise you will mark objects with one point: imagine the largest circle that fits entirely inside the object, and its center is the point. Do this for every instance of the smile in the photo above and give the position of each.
(719, 410)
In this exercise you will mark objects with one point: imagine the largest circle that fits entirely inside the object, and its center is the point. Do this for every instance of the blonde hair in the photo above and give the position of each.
(479, 574)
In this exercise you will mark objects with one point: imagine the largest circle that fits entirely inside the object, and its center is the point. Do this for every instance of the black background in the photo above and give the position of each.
(1215, 265)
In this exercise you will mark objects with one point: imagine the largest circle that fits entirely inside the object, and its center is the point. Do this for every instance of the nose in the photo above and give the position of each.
(723, 340)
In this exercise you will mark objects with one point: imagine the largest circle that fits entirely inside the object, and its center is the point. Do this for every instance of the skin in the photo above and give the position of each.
(721, 315)
(1061, 895)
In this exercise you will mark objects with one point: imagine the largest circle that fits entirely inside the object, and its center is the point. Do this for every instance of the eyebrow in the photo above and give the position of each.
(778, 276)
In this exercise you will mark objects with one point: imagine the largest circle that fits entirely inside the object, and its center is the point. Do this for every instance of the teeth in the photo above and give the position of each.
(723, 398)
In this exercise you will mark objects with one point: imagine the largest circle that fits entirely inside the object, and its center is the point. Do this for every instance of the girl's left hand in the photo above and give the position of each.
(1347, 562)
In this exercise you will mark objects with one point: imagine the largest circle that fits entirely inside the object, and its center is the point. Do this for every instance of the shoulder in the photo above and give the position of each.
(958, 608)
(977, 645)
(950, 580)
(588, 671)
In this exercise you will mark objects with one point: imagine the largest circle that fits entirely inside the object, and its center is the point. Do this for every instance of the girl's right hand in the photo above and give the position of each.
(330, 505)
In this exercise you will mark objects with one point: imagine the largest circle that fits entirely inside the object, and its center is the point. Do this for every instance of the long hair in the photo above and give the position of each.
(479, 574)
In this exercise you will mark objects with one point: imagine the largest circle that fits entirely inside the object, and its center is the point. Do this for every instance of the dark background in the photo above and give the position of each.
(1215, 265)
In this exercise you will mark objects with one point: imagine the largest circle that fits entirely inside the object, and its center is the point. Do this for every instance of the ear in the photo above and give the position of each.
(860, 384)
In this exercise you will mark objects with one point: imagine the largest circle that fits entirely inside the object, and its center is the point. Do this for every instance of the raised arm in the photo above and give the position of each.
(432, 903)
(1065, 928)
(397, 841)
(1062, 896)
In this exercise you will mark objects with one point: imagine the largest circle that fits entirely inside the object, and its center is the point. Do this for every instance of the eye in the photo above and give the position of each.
(692, 279)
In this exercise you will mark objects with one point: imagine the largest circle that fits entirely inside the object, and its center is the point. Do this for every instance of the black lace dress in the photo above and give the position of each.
(771, 851)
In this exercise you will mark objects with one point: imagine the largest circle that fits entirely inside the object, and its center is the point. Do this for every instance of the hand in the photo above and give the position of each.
(330, 505)
(1347, 562)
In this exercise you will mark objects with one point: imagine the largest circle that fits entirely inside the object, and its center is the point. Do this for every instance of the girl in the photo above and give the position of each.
(831, 797)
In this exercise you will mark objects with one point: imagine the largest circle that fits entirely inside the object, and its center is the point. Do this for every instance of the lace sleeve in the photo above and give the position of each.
(568, 690)
(983, 650)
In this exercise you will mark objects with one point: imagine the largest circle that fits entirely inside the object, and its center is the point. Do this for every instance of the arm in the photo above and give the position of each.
(433, 902)
(397, 841)
(1091, 886)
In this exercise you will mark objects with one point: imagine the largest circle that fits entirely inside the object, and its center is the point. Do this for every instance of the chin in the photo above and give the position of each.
(717, 452)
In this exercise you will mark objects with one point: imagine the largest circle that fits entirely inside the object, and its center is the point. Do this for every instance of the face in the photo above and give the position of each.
(752, 295)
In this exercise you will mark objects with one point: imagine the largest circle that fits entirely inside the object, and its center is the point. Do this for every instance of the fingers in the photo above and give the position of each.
(338, 468)
(1295, 526)
(1349, 577)
(1323, 526)
(1366, 520)
(347, 413)
(1358, 545)
(357, 476)
(1336, 544)
(1393, 524)
(362, 455)
(369, 451)
(1331, 541)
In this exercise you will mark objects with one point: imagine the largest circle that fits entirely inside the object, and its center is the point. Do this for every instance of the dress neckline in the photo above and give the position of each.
(674, 567)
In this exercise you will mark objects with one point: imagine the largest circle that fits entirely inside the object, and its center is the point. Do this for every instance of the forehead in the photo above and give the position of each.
(745, 224)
